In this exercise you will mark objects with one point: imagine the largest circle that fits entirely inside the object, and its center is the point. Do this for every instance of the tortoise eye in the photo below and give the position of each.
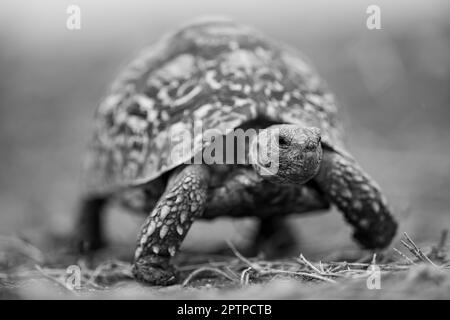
(266, 164)
(282, 141)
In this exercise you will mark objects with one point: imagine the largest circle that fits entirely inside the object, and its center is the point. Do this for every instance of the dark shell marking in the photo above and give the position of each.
(219, 73)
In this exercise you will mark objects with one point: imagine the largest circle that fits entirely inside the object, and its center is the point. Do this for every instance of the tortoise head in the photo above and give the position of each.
(286, 154)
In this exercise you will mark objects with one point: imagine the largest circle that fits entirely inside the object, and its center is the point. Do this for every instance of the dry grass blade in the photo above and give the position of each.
(193, 274)
(108, 268)
(53, 279)
(415, 250)
(303, 274)
(244, 259)
(245, 277)
(231, 271)
(322, 270)
(404, 256)
(93, 277)
(303, 260)
(216, 264)
(258, 268)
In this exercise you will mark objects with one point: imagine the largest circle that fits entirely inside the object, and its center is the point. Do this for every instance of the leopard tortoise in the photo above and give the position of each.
(215, 74)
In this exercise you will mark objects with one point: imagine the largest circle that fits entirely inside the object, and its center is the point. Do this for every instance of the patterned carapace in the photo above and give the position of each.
(214, 75)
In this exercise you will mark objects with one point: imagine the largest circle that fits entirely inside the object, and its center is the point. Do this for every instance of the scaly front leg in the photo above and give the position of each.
(165, 228)
(359, 198)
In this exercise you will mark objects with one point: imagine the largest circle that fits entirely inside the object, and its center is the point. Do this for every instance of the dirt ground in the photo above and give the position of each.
(410, 273)
(392, 85)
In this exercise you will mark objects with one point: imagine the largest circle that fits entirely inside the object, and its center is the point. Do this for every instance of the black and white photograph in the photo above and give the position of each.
(224, 150)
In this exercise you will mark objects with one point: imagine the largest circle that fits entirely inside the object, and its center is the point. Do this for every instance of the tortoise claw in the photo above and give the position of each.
(154, 270)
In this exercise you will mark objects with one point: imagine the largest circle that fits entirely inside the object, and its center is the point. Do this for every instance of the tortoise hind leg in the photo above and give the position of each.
(274, 238)
(245, 194)
(88, 231)
(166, 226)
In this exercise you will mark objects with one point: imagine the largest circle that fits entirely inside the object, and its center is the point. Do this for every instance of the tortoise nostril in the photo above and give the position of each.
(311, 146)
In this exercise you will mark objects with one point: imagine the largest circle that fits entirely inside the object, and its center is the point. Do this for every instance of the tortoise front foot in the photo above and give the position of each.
(359, 198)
(154, 270)
(379, 236)
(166, 226)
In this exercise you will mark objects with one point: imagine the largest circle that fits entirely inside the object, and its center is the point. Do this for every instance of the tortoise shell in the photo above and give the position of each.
(209, 74)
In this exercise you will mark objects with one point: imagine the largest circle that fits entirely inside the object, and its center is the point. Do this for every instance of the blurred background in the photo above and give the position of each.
(393, 85)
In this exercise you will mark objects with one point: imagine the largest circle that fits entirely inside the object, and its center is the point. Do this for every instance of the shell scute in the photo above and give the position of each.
(207, 75)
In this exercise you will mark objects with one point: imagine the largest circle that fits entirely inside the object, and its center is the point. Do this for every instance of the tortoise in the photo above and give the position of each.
(216, 74)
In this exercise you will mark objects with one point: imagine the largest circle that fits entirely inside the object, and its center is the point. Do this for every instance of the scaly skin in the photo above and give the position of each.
(359, 198)
(167, 225)
(338, 176)
(242, 193)
(339, 180)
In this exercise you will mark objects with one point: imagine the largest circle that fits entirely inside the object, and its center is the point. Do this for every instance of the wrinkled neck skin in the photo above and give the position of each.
(287, 154)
